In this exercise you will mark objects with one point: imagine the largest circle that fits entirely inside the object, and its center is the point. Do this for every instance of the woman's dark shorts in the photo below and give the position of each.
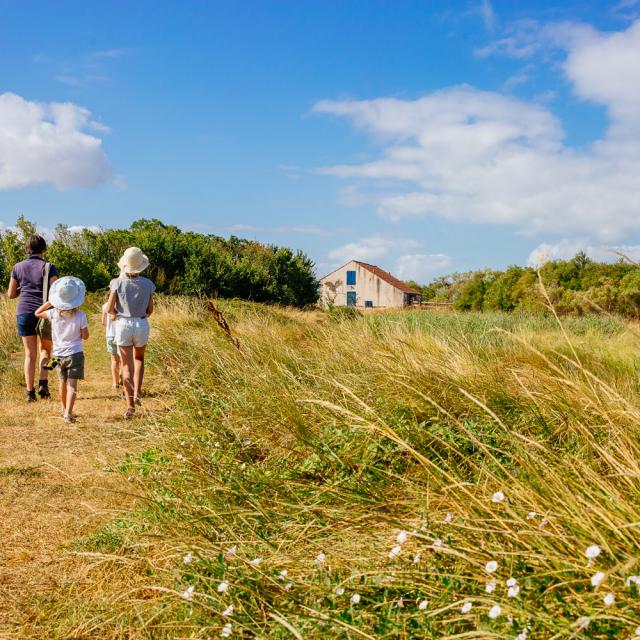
(27, 323)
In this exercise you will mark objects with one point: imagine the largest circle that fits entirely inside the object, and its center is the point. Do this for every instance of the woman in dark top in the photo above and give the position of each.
(26, 283)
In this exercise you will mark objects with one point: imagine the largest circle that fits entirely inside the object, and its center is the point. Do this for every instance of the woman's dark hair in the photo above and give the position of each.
(36, 244)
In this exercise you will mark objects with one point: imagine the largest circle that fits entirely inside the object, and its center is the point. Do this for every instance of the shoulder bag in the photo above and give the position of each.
(43, 328)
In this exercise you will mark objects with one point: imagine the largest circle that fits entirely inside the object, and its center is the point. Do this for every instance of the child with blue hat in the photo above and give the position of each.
(69, 327)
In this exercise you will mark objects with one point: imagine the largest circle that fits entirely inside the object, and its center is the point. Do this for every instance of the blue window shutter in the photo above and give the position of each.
(351, 298)
(351, 277)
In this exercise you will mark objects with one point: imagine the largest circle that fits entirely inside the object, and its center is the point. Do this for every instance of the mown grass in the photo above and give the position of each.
(339, 480)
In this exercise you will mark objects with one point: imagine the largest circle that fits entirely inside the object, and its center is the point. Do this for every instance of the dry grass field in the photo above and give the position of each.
(394, 476)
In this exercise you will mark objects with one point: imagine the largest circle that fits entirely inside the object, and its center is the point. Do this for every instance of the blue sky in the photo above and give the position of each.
(426, 137)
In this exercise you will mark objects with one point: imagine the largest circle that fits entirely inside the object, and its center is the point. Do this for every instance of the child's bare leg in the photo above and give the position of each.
(138, 354)
(63, 395)
(126, 355)
(115, 370)
(72, 390)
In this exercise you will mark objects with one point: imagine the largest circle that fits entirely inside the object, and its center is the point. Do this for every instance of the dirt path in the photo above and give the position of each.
(55, 481)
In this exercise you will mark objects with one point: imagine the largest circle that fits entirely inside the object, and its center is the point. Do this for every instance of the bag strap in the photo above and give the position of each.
(45, 282)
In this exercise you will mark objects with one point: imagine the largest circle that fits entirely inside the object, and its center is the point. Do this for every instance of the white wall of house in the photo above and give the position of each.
(368, 286)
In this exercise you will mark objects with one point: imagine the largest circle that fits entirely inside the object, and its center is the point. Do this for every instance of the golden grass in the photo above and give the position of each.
(334, 438)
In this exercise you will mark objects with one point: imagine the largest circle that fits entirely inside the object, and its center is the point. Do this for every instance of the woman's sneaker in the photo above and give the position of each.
(43, 389)
(30, 395)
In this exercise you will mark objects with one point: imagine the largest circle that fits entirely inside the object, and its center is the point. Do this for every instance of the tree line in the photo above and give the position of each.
(181, 262)
(575, 286)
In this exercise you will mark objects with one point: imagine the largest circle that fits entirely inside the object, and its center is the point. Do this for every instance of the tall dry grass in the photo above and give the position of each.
(359, 478)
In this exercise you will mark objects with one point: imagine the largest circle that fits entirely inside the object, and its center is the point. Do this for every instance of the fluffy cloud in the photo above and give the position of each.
(369, 248)
(365, 249)
(421, 266)
(44, 143)
(568, 247)
(466, 154)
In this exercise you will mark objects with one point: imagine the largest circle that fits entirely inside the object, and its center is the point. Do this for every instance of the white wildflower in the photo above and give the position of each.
(255, 562)
(284, 573)
(226, 630)
(466, 607)
(513, 591)
(447, 519)
(598, 578)
(423, 605)
(400, 603)
(402, 537)
(491, 587)
(498, 496)
(395, 552)
(523, 635)
(592, 552)
(223, 586)
(491, 566)
(582, 623)
(495, 611)
(638, 631)
(231, 552)
(228, 611)
(609, 599)
(287, 587)
(417, 558)
(243, 465)
(188, 594)
(187, 558)
(355, 598)
(531, 515)
(437, 543)
(180, 457)
(511, 582)
(543, 523)
(633, 580)
(339, 591)
(320, 558)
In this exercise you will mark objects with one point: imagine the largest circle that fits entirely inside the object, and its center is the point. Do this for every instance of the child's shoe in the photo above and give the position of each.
(43, 389)
(68, 417)
(30, 395)
(129, 413)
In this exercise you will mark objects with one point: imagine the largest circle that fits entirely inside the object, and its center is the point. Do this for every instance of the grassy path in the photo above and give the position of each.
(55, 483)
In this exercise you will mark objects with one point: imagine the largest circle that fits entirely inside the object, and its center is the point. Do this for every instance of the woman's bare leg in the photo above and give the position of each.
(126, 357)
(45, 356)
(30, 344)
(138, 354)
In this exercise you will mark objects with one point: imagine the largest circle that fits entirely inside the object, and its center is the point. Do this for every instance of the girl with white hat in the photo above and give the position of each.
(130, 304)
(69, 327)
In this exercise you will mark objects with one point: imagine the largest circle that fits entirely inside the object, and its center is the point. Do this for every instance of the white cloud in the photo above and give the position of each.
(47, 143)
(567, 248)
(369, 248)
(488, 15)
(301, 229)
(421, 266)
(465, 154)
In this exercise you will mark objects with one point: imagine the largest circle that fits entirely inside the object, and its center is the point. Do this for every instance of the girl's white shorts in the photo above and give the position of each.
(132, 332)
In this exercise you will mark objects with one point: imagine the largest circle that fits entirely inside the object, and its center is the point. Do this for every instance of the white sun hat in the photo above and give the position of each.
(67, 293)
(133, 261)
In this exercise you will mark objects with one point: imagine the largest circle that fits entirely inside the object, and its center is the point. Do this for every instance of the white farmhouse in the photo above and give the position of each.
(358, 284)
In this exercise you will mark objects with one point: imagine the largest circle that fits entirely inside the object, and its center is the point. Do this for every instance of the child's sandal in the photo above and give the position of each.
(129, 413)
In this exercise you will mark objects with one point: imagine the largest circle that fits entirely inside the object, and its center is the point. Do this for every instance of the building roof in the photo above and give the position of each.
(387, 277)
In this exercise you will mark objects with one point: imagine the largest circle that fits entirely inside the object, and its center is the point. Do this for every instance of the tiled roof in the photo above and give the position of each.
(387, 277)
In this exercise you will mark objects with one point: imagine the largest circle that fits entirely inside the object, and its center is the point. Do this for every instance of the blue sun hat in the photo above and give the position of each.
(67, 293)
